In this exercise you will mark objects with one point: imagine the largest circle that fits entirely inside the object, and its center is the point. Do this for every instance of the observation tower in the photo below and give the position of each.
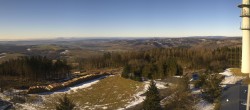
(245, 27)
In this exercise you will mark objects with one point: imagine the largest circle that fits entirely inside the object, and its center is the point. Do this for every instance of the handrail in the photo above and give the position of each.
(244, 5)
(245, 28)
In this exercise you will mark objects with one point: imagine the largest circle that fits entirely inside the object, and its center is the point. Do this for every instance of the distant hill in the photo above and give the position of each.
(212, 37)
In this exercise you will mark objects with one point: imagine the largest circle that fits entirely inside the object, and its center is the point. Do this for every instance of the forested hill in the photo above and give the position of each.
(153, 63)
(164, 62)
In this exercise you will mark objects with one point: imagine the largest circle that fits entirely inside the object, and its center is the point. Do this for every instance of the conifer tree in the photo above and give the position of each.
(211, 90)
(65, 104)
(152, 101)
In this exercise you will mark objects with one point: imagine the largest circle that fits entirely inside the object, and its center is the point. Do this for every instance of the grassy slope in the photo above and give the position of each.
(237, 72)
(112, 92)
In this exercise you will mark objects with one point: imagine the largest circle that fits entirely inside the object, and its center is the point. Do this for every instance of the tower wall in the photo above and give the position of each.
(245, 1)
(245, 65)
(245, 26)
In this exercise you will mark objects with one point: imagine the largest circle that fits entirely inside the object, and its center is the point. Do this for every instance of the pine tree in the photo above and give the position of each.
(126, 71)
(65, 104)
(152, 101)
(211, 90)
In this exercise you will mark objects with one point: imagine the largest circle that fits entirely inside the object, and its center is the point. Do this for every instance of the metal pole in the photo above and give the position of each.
(248, 94)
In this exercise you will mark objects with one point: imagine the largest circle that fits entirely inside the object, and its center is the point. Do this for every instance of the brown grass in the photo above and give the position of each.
(112, 92)
(237, 72)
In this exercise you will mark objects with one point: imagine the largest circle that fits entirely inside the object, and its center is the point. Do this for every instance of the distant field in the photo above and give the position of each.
(46, 47)
(10, 56)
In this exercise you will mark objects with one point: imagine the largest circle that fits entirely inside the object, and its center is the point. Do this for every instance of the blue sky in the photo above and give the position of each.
(32, 19)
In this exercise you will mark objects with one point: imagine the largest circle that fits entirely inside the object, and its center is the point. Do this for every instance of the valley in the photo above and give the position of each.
(121, 70)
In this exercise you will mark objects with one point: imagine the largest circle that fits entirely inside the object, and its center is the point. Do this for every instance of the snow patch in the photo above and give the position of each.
(230, 78)
(161, 85)
(28, 49)
(177, 76)
(76, 87)
(104, 108)
(26, 106)
(44, 96)
(3, 54)
(2, 57)
(227, 73)
(65, 52)
(196, 91)
(138, 97)
(204, 105)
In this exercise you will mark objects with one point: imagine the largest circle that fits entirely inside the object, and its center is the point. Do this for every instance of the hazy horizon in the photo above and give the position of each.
(46, 19)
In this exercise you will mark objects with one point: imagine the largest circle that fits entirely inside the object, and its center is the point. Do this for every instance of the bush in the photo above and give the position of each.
(18, 99)
(65, 104)
(211, 90)
(181, 98)
(201, 81)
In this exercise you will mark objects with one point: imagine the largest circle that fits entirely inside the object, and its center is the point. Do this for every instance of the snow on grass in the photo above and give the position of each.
(44, 96)
(86, 84)
(76, 87)
(26, 106)
(230, 78)
(110, 93)
(2, 54)
(177, 76)
(139, 98)
(161, 85)
(4, 97)
(204, 105)
(196, 91)
(227, 73)
(65, 52)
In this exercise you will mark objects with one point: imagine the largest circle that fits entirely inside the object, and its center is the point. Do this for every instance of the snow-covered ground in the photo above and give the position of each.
(138, 96)
(177, 76)
(65, 52)
(28, 49)
(230, 78)
(161, 85)
(2, 54)
(204, 105)
(196, 91)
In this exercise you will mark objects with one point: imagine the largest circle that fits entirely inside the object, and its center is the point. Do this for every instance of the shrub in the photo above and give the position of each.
(65, 104)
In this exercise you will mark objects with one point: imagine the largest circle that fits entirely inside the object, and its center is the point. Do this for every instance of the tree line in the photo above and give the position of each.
(163, 62)
(35, 68)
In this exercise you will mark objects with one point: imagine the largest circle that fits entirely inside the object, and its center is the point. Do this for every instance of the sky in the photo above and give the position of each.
(39, 19)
